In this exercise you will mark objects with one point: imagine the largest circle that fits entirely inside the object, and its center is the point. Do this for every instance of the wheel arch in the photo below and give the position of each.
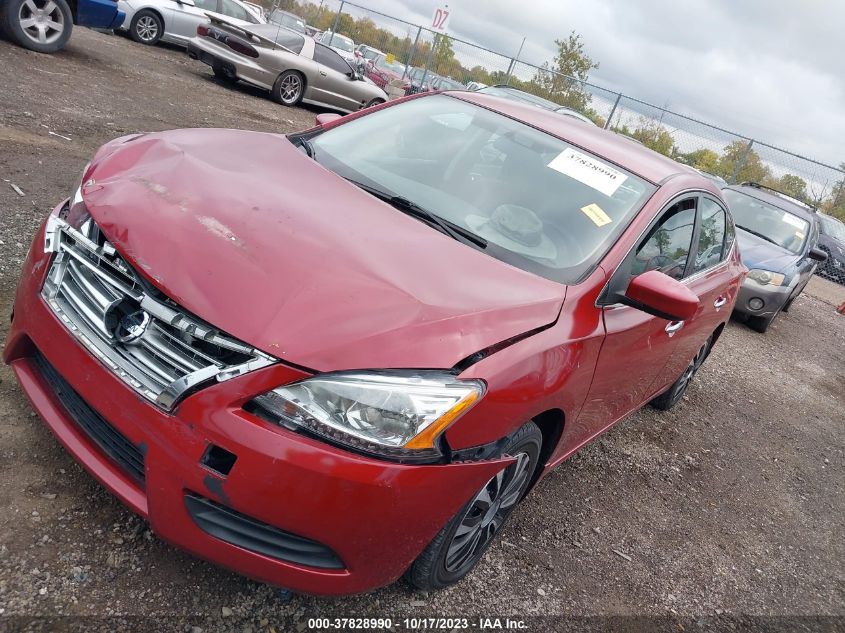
(154, 10)
(551, 424)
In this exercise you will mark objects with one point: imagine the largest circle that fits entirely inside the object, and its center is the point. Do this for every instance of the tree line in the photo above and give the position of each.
(562, 80)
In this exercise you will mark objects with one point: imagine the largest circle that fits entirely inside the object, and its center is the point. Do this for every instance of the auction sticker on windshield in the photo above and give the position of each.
(796, 222)
(596, 214)
(588, 170)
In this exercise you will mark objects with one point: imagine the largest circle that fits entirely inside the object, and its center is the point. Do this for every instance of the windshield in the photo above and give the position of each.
(340, 41)
(833, 227)
(768, 221)
(518, 95)
(371, 53)
(392, 66)
(539, 203)
(448, 84)
(288, 20)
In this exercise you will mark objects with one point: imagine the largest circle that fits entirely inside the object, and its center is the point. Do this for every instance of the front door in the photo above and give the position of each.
(333, 78)
(638, 346)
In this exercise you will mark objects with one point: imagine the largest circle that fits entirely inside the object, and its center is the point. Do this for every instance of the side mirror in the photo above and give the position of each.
(659, 295)
(325, 118)
(817, 254)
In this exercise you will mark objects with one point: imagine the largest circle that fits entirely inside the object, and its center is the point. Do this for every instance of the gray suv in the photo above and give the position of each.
(777, 237)
(832, 242)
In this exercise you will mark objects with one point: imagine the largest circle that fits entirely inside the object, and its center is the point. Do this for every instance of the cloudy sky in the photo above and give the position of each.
(768, 69)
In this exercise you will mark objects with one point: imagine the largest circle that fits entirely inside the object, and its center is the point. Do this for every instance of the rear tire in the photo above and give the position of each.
(22, 22)
(223, 76)
(289, 88)
(673, 394)
(461, 543)
(146, 27)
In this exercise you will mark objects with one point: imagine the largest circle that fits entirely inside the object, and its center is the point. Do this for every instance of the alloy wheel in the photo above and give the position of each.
(42, 21)
(146, 28)
(290, 88)
(486, 514)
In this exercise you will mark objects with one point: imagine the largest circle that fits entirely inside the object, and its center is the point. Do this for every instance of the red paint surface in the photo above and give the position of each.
(245, 231)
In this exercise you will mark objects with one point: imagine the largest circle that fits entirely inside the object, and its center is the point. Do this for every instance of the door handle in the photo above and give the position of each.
(323, 73)
(673, 327)
(720, 303)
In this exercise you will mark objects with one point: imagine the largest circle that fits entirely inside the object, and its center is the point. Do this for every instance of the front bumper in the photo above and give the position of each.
(376, 516)
(770, 298)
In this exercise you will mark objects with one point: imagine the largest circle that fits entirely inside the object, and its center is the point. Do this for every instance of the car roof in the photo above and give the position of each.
(634, 157)
(775, 199)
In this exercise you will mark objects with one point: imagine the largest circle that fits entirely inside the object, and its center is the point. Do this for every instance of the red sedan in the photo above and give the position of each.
(332, 358)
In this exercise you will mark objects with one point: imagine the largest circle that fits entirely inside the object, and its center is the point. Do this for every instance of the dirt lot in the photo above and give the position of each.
(731, 505)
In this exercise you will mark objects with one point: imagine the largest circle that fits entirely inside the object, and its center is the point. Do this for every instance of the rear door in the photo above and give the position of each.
(638, 346)
(332, 85)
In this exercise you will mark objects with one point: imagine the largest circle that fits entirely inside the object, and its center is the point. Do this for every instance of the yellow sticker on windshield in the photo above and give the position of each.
(389, 58)
(596, 214)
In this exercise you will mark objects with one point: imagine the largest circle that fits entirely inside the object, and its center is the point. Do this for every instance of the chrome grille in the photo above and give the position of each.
(142, 337)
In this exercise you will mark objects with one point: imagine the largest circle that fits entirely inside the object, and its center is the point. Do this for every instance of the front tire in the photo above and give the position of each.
(461, 543)
(673, 394)
(146, 27)
(760, 323)
(289, 88)
(43, 26)
(374, 102)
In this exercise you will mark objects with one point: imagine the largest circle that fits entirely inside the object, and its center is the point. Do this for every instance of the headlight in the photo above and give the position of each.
(766, 277)
(396, 414)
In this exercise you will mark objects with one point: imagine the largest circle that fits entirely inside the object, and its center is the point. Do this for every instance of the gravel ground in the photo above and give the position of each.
(725, 512)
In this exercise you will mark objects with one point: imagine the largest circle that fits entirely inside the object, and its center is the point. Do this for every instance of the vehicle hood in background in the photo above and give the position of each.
(248, 233)
(759, 253)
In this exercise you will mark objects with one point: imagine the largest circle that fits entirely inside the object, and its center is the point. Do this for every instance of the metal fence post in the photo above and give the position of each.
(513, 63)
(741, 162)
(336, 22)
(434, 44)
(411, 53)
(613, 110)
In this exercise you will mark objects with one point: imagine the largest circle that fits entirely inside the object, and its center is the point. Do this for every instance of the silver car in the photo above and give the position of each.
(340, 44)
(292, 66)
(176, 21)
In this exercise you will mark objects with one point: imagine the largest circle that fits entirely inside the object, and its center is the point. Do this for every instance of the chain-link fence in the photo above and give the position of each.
(418, 59)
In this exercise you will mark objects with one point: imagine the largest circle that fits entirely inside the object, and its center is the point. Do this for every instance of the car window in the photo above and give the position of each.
(280, 35)
(207, 5)
(338, 41)
(327, 57)
(711, 236)
(667, 246)
(234, 10)
(539, 203)
(832, 227)
(767, 221)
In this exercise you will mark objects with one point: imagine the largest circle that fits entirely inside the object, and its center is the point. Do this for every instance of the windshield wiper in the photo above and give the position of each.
(305, 144)
(760, 235)
(412, 208)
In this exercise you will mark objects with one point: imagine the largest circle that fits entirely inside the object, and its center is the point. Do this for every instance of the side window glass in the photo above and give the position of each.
(711, 236)
(667, 246)
(206, 5)
(327, 57)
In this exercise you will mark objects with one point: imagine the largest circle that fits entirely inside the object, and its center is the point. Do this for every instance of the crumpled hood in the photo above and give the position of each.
(245, 231)
(758, 253)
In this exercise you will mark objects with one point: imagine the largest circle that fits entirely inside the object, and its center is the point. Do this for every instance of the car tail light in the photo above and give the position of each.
(241, 47)
(202, 30)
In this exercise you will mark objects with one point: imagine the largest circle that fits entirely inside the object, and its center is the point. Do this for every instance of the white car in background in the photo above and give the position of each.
(176, 21)
(341, 45)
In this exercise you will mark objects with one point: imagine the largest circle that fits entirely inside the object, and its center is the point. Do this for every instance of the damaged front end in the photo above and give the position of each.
(153, 345)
